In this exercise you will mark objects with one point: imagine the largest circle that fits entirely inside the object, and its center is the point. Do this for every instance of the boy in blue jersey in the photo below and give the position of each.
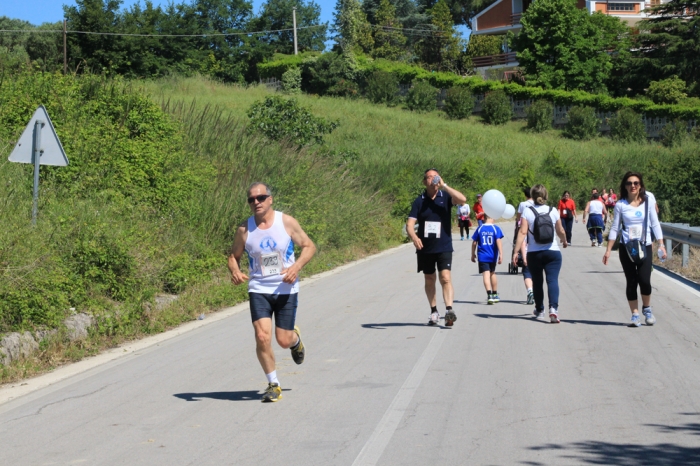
(488, 247)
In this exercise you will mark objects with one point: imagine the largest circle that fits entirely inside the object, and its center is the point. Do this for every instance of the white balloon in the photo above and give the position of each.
(509, 212)
(494, 203)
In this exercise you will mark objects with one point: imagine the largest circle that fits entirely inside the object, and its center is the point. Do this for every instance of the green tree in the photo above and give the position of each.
(44, 51)
(388, 39)
(560, 47)
(277, 14)
(667, 91)
(441, 50)
(669, 45)
(351, 28)
(482, 45)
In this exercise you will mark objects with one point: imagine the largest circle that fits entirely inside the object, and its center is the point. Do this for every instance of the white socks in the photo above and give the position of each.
(272, 377)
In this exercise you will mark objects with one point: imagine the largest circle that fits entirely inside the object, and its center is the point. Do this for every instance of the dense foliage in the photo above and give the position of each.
(459, 103)
(627, 126)
(382, 88)
(496, 108)
(583, 123)
(539, 116)
(422, 97)
(284, 119)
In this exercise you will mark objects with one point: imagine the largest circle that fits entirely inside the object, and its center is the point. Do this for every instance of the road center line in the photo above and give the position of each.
(374, 448)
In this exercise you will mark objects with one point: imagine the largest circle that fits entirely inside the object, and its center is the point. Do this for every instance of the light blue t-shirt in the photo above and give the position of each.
(486, 236)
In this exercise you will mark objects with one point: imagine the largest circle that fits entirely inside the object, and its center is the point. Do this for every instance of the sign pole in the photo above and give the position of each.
(65, 49)
(294, 21)
(37, 160)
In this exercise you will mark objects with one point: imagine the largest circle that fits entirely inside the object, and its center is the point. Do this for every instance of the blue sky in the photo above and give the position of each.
(49, 11)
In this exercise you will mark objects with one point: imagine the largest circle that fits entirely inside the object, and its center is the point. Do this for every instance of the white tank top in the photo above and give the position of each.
(269, 251)
(596, 207)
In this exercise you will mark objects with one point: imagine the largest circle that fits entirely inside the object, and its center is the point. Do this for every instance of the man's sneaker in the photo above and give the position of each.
(450, 318)
(434, 318)
(462, 239)
(538, 314)
(490, 299)
(495, 297)
(272, 393)
(530, 298)
(553, 316)
(635, 321)
(298, 352)
(649, 318)
(593, 244)
(600, 244)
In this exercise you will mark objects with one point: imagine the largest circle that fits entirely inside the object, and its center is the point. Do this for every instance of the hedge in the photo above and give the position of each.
(407, 74)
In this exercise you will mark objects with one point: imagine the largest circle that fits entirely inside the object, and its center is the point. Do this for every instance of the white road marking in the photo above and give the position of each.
(374, 448)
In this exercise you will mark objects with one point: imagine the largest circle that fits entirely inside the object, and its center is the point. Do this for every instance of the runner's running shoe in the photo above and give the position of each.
(495, 297)
(649, 318)
(635, 321)
(490, 300)
(553, 316)
(434, 318)
(530, 298)
(272, 393)
(593, 243)
(299, 352)
(450, 318)
(600, 244)
(538, 314)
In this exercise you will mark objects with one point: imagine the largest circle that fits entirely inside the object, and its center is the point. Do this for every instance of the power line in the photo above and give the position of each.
(157, 35)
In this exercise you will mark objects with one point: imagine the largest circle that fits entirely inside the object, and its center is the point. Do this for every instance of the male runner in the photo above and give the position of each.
(433, 241)
(268, 237)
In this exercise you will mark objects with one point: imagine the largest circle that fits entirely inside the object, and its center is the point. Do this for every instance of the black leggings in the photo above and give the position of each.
(636, 275)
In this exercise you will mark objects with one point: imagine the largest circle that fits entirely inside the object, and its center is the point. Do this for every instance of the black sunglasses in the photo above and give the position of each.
(260, 198)
(632, 183)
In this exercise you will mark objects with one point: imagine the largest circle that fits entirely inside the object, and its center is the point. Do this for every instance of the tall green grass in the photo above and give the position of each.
(395, 145)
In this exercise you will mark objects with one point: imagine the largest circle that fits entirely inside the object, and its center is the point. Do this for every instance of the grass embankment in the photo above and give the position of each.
(393, 146)
(148, 205)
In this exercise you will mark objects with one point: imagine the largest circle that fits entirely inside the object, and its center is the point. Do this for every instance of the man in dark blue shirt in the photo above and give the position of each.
(433, 240)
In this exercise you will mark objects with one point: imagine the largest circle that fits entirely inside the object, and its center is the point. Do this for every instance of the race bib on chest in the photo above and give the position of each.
(565, 212)
(432, 228)
(635, 232)
(271, 264)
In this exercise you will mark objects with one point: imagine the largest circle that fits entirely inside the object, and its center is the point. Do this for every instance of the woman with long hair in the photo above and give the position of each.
(634, 220)
(542, 256)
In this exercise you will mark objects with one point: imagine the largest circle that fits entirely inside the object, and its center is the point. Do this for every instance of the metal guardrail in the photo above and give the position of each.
(681, 233)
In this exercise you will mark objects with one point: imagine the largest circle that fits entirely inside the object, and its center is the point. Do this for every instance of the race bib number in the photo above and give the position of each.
(565, 212)
(271, 264)
(635, 232)
(432, 228)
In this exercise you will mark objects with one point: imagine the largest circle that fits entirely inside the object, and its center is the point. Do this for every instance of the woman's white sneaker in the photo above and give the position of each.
(553, 316)
(649, 318)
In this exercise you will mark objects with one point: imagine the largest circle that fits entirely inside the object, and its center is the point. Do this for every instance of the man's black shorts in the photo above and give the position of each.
(427, 262)
(487, 267)
(283, 306)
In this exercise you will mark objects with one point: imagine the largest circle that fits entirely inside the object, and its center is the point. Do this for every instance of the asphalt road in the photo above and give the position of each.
(380, 387)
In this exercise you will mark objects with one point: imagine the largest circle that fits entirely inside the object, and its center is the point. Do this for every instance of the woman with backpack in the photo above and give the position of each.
(541, 225)
(634, 220)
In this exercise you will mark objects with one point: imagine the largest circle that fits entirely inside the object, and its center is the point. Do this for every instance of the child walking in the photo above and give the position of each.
(487, 246)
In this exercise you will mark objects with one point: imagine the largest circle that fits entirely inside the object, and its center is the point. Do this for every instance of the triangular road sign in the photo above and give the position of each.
(53, 153)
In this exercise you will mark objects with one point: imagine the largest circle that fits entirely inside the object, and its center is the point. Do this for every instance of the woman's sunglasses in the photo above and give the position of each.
(261, 198)
(632, 183)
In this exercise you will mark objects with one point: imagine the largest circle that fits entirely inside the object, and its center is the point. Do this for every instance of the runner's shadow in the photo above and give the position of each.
(601, 271)
(244, 395)
(399, 324)
(531, 318)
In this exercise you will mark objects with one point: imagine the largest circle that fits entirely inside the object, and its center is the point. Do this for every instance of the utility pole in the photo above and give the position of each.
(65, 49)
(294, 21)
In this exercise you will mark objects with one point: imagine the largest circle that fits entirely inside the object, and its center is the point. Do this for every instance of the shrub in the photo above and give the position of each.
(540, 115)
(583, 123)
(422, 97)
(382, 88)
(291, 81)
(344, 88)
(667, 91)
(674, 133)
(279, 118)
(627, 126)
(497, 109)
(321, 74)
(459, 103)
